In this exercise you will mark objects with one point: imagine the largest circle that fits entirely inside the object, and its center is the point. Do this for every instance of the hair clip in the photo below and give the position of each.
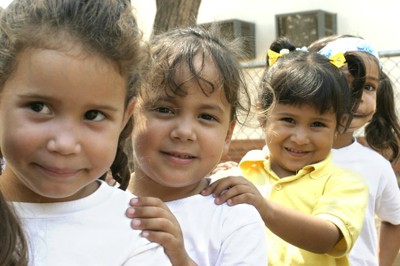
(304, 49)
(349, 44)
(273, 56)
(338, 60)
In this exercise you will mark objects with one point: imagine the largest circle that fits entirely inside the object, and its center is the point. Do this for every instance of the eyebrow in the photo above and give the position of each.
(373, 78)
(206, 106)
(212, 107)
(315, 118)
(40, 97)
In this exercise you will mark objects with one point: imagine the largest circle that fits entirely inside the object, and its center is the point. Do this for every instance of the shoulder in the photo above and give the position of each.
(112, 202)
(114, 193)
(204, 208)
(376, 169)
(358, 153)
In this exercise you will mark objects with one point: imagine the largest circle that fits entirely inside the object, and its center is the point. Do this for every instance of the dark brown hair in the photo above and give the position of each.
(178, 47)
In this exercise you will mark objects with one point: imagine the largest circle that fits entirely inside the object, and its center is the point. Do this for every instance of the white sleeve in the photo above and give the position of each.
(388, 200)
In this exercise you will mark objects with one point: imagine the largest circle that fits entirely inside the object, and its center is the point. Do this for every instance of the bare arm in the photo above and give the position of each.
(389, 243)
(302, 230)
(159, 225)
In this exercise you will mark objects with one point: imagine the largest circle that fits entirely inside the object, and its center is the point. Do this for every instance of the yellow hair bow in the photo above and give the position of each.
(273, 56)
(338, 60)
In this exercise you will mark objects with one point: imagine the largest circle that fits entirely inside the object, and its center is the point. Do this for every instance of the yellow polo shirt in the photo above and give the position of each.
(322, 189)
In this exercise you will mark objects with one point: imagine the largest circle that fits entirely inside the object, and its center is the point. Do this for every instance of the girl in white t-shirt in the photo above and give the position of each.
(68, 73)
(184, 118)
(377, 113)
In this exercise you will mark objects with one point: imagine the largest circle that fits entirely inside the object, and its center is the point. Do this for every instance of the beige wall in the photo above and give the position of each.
(377, 21)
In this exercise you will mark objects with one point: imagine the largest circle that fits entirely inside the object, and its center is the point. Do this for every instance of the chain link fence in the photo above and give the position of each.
(250, 136)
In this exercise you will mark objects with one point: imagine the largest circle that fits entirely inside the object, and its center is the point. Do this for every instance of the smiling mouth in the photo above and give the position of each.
(294, 151)
(358, 115)
(180, 156)
(57, 171)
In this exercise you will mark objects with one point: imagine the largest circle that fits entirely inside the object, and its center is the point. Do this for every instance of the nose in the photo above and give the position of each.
(64, 139)
(184, 130)
(364, 99)
(300, 136)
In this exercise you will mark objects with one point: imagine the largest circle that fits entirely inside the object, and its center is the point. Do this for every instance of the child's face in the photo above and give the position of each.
(297, 136)
(367, 106)
(178, 141)
(61, 115)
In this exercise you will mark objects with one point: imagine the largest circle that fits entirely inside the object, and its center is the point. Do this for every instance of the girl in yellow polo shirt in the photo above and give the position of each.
(313, 209)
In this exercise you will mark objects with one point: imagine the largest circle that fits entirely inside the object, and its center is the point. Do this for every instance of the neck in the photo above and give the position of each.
(343, 140)
(15, 190)
(143, 186)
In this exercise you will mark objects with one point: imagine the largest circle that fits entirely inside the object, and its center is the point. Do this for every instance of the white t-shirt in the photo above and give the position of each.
(90, 231)
(221, 235)
(384, 197)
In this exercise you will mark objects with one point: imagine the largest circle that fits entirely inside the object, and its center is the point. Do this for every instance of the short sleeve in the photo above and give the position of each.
(343, 203)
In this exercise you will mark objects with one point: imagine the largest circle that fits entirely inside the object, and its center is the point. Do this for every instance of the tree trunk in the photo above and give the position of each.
(175, 13)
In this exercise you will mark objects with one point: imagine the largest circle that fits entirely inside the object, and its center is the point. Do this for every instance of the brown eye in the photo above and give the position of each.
(94, 115)
(39, 107)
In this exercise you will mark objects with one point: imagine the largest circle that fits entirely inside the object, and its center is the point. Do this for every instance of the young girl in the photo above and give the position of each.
(313, 209)
(68, 71)
(184, 119)
(376, 109)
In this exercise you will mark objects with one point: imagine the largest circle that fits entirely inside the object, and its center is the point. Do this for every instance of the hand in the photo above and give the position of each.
(235, 190)
(159, 225)
(224, 166)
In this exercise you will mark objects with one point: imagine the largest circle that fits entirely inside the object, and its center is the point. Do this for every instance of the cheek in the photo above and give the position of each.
(369, 100)
(18, 140)
(327, 143)
(143, 139)
(373, 103)
(274, 133)
(11, 148)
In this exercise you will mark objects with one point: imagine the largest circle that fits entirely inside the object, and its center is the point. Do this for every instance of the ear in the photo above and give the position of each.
(228, 137)
(128, 112)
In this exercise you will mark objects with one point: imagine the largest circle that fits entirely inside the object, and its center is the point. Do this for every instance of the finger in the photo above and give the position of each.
(165, 239)
(226, 195)
(226, 183)
(151, 212)
(233, 192)
(216, 187)
(151, 205)
(240, 199)
(146, 201)
(155, 224)
(208, 190)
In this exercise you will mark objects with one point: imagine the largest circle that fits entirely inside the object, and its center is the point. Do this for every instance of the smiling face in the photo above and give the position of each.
(179, 140)
(61, 115)
(297, 136)
(367, 106)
